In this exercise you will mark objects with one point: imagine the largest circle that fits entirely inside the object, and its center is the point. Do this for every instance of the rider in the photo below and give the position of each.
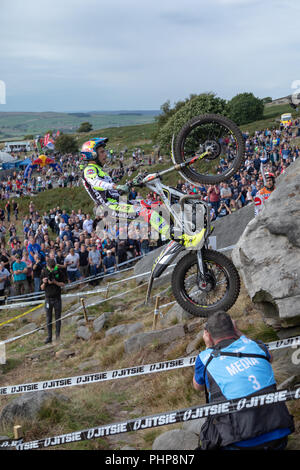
(265, 192)
(105, 193)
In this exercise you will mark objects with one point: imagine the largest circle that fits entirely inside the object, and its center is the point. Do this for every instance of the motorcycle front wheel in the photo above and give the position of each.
(203, 297)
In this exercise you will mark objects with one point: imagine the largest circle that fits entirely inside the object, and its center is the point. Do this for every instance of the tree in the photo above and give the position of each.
(85, 127)
(166, 113)
(66, 144)
(267, 99)
(195, 105)
(245, 107)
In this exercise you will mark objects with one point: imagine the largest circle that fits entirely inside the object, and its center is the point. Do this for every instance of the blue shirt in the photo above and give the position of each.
(32, 249)
(240, 377)
(19, 266)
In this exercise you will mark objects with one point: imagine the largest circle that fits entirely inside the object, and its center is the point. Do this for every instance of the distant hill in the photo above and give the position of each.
(17, 124)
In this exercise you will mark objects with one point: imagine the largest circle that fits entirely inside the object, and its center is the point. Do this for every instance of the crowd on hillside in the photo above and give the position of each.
(72, 240)
(14, 185)
(272, 148)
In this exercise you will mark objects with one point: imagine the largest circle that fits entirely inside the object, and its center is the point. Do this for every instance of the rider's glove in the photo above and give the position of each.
(137, 180)
(122, 188)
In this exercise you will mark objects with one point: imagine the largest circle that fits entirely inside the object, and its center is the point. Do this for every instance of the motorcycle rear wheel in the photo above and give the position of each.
(217, 133)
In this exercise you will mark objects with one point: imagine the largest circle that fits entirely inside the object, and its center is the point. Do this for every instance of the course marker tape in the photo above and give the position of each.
(124, 372)
(163, 419)
(21, 315)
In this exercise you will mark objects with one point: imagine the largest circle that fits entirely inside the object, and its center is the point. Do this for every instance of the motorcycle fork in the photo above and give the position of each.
(201, 275)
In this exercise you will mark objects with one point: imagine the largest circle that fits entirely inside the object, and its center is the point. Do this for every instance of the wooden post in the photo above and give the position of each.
(84, 310)
(107, 289)
(156, 312)
(18, 431)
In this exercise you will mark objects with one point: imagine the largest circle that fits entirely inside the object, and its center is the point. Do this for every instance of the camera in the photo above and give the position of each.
(51, 276)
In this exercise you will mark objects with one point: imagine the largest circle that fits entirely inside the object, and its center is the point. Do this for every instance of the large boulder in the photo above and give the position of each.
(177, 439)
(228, 230)
(268, 253)
(27, 407)
(125, 330)
(165, 336)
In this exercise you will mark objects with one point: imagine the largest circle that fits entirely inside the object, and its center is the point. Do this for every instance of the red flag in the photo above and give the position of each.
(46, 139)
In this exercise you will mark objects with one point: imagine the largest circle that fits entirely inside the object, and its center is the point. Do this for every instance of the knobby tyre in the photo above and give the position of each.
(223, 279)
(209, 130)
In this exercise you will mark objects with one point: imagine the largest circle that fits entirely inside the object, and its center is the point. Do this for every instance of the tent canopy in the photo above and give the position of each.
(5, 157)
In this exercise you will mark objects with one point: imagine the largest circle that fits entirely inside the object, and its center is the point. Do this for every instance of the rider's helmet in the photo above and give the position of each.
(270, 175)
(89, 148)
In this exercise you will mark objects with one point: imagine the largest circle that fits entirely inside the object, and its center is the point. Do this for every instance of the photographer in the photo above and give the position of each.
(232, 367)
(223, 210)
(52, 282)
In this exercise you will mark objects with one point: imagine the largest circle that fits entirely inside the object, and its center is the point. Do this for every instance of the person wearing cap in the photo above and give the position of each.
(52, 282)
(109, 263)
(232, 367)
(19, 269)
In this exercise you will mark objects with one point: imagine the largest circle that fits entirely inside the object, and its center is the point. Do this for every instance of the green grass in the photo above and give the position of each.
(16, 125)
(66, 198)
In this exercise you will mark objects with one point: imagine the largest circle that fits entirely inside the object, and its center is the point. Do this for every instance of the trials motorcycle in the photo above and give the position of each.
(209, 149)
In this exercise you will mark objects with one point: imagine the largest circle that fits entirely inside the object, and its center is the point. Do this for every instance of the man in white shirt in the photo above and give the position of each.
(62, 224)
(72, 263)
(88, 224)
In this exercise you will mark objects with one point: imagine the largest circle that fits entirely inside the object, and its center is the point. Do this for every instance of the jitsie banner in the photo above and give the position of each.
(163, 419)
(123, 373)
(99, 377)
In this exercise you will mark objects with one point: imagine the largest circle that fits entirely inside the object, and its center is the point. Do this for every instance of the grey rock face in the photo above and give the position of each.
(139, 341)
(99, 322)
(84, 333)
(176, 313)
(229, 229)
(125, 330)
(26, 407)
(177, 439)
(268, 253)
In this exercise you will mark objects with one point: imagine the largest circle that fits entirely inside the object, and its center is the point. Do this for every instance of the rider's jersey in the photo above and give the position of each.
(260, 198)
(99, 185)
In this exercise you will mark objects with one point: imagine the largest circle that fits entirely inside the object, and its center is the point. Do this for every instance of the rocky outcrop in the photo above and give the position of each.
(268, 253)
(165, 336)
(27, 407)
(125, 330)
(84, 333)
(99, 322)
(177, 439)
(228, 230)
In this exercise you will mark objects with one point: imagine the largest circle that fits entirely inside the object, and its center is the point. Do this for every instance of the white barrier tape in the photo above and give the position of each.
(20, 305)
(15, 338)
(10, 443)
(163, 419)
(74, 284)
(123, 373)
(98, 376)
(82, 293)
(167, 305)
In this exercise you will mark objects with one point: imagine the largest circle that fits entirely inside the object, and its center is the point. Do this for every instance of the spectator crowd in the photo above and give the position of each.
(273, 149)
(71, 238)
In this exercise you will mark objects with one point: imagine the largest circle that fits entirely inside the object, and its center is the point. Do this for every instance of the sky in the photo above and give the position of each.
(75, 55)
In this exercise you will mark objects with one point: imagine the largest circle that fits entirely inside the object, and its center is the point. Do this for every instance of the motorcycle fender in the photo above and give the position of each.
(165, 258)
